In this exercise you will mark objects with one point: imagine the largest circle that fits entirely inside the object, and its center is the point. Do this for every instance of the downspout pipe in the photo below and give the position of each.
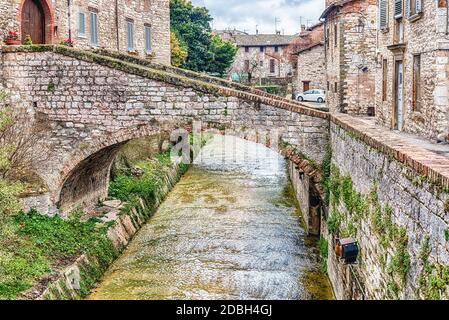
(117, 23)
(69, 15)
(447, 17)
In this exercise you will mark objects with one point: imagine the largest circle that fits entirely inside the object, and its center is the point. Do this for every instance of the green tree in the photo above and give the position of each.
(206, 53)
(178, 51)
(224, 53)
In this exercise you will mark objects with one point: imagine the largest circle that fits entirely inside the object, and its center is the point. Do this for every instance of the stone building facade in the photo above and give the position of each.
(311, 66)
(412, 80)
(261, 56)
(350, 55)
(140, 27)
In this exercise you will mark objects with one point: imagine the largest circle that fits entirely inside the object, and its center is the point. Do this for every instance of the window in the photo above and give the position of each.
(398, 9)
(130, 34)
(246, 65)
(246, 49)
(276, 49)
(399, 31)
(81, 24)
(383, 14)
(94, 27)
(384, 79)
(413, 8)
(335, 35)
(416, 93)
(262, 49)
(261, 63)
(336, 87)
(328, 86)
(272, 66)
(148, 38)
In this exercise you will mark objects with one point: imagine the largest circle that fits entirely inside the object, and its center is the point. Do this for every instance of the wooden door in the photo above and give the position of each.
(398, 102)
(306, 86)
(33, 21)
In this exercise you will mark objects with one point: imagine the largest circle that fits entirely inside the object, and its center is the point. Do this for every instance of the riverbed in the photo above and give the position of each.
(230, 229)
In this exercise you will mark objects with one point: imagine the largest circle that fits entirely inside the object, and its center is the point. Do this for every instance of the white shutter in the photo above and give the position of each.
(398, 8)
(407, 9)
(383, 14)
(418, 6)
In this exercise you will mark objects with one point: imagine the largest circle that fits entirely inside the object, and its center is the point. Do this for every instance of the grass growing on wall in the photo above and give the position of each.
(348, 208)
(33, 245)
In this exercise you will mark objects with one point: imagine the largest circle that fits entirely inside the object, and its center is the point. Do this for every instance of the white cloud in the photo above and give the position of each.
(246, 14)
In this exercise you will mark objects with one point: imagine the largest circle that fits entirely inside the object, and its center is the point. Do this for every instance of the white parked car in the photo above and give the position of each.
(314, 95)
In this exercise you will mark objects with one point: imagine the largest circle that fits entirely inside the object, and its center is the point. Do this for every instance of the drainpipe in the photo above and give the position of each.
(69, 15)
(447, 17)
(117, 24)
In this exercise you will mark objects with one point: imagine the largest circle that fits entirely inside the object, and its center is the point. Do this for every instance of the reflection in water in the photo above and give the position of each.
(228, 230)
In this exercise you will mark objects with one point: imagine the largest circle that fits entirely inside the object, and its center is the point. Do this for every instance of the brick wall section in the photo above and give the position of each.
(93, 102)
(351, 89)
(370, 155)
(311, 68)
(427, 37)
(282, 69)
(153, 12)
(197, 75)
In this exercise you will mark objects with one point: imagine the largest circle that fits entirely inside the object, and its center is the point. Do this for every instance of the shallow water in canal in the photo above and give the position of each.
(230, 229)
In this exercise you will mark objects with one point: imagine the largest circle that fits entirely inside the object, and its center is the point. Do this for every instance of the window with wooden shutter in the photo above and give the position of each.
(148, 46)
(384, 79)
(416, 86)
(398, 9)
(130, 32)
(94, 28)
(413, 8)
(272, 66)
(246, 65)
(383, 14)
(81, 24)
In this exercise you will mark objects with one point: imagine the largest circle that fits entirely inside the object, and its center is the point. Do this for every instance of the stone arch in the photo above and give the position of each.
(84, 177)
(49, 19)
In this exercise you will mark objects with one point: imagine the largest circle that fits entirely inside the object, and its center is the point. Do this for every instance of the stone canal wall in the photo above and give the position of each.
(77, 280)
(386, 194)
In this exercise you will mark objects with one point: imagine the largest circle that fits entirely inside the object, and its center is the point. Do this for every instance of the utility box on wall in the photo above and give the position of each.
(347, 249)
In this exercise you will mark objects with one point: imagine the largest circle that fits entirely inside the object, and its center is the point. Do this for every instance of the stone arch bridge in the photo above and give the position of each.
(94, 102)
(91, 103)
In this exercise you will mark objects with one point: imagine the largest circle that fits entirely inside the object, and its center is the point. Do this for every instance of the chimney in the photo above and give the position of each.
(303, 27)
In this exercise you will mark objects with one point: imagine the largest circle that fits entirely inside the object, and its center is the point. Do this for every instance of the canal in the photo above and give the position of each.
(230, 229)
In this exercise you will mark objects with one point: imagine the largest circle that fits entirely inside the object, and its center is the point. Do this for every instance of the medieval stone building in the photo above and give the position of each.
(412, 80)
(262, 56)
(135, 26)
(350, 55)
(310, 72)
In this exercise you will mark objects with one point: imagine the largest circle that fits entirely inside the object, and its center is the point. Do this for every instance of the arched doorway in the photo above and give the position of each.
(35, 20)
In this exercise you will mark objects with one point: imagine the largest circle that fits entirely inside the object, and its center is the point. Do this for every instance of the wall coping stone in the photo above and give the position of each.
(425, 162)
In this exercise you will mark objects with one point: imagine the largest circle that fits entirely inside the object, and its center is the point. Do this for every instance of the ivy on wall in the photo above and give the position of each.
(348, 208)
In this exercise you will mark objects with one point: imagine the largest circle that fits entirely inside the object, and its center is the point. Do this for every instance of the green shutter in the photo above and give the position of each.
(383, 14)
(398, 8)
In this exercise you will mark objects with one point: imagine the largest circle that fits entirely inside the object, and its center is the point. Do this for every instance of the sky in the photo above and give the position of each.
(246, 14)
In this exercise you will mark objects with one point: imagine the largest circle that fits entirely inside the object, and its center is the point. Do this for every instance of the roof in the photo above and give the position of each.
(256, 40)
(231, 31)
(313, 45)
(333, 6)
(316, 25)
